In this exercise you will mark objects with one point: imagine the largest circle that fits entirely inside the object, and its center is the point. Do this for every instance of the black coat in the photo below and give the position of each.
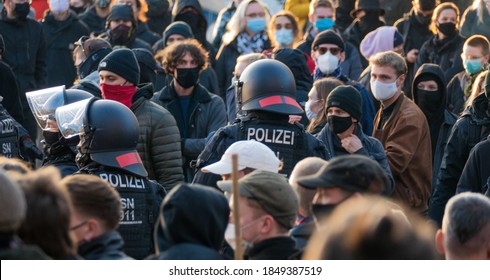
(145, 34)
(108, 246)
(276, 248)
(476, 172)
(446, 53)
(9, 90)
(94, 23)
(25, 52)
(60, 38)
(192, 233)
(414, 35)
(471, 128)
(354, 35)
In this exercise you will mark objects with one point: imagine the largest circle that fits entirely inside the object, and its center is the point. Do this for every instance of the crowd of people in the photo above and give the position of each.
(361, 130)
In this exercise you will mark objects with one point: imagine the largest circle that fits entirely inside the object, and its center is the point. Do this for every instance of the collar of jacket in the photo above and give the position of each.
(396, 109)
(200, 94)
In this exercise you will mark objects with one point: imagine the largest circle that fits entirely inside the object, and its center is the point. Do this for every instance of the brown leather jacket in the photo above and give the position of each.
(406, 139)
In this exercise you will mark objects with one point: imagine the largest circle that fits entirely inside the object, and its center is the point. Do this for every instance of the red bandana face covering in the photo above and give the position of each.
(122, 94)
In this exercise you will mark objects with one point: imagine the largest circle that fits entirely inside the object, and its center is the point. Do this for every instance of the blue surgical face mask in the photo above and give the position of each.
(472, 66)
(324, 24)
(256, 24)
(284, 37)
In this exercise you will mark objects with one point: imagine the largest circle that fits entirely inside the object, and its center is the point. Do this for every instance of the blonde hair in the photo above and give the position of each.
(238, 22)
(476, 89)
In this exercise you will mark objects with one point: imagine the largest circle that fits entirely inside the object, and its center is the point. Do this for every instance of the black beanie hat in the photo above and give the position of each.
(123, 63)
(427, 5)
(178, 27)
(121, 11)
(328, 37)
(346, 98)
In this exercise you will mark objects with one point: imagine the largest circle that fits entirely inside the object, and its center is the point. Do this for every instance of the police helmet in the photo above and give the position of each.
(109, 136)
(268, 85)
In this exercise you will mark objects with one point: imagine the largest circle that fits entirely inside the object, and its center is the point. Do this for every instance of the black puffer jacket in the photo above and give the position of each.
(472, 127)
(108, 246)
(192, 233)
(159, 141)
(445, 53)
(60, 38)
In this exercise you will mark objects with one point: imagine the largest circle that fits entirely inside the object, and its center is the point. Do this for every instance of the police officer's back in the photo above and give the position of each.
(268, 95)
(108, 136)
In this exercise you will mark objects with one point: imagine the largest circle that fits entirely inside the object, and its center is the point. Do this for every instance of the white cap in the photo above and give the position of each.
(251, 154)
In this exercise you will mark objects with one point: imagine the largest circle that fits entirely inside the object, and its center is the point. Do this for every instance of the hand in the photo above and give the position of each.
(294, 118)
(412, 55)
(351, 144)
(31, 150)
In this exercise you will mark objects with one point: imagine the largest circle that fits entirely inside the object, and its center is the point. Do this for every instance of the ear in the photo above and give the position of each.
(267, 224)
(440, 242)
(401, 80)
(342, 56)
(94, 229)
(313, 56)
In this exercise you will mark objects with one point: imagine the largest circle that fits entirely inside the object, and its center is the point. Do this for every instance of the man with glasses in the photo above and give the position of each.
(328, 51)
(403, 130)
(25, 52)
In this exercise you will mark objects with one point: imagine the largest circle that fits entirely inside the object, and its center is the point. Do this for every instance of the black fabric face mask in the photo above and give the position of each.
(428, 101)
(447, 28)
(120, 35)
(339, 124)
(22, 10)
(321, 211)
(51, 137)
(77, 10)
(424, 20)
(187, 77)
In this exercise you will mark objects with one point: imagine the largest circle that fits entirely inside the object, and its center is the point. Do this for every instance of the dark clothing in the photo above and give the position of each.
(159, 141)
(198, 23)
(60, 38)
(94, 23)
(415, 34)
(195, 232)
(368, 111)
(133, 43)
(25, 52)
(225, 64)
(371, 147)
(276, 248)
(9, 90)
(476, 172)
(11, 248)
(207, 115)
(440, 120)
(224, 17)
(159, 20)
(394, 9)
(445, 53)
(471, 24)
(207, 79)
(289, 150)
(351, 66)
(108, 246)
(301, 233)
(342, 14)
(458, 91)
(472, 127)
(90, 84)
(62, 156)
(354, 35)
(140, 199)
(145, 34)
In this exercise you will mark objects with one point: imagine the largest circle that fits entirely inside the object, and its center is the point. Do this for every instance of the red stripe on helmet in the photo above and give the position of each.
(292, 101)
(272, 100)
(128, 159)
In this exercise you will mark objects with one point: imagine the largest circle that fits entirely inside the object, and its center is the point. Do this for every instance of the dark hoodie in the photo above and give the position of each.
(60, 36)
(192, 224)
(440, 120)
(196, 21)
(95, 23)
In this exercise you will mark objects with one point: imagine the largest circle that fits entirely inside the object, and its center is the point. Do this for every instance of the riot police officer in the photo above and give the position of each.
(109, 133)
(15, 141)
(268, 95)
(60, 152)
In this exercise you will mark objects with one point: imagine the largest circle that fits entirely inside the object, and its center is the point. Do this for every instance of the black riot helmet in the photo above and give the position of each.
(268, 85)
(108, 132)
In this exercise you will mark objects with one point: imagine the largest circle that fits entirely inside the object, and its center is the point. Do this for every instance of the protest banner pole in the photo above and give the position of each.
(236, 211)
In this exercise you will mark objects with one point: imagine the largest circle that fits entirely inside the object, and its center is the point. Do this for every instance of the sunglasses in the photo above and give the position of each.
(323, 50)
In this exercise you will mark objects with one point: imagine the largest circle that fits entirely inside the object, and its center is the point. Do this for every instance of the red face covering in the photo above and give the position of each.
(122, 94)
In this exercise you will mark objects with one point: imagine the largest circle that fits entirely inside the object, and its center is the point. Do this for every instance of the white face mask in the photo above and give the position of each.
(311, 115)
(327, 63)
(382, 91)
(59, 6)
(230, 236)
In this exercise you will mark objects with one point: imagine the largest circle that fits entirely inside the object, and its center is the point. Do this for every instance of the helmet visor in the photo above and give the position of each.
(70, 118)
(38, 102)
